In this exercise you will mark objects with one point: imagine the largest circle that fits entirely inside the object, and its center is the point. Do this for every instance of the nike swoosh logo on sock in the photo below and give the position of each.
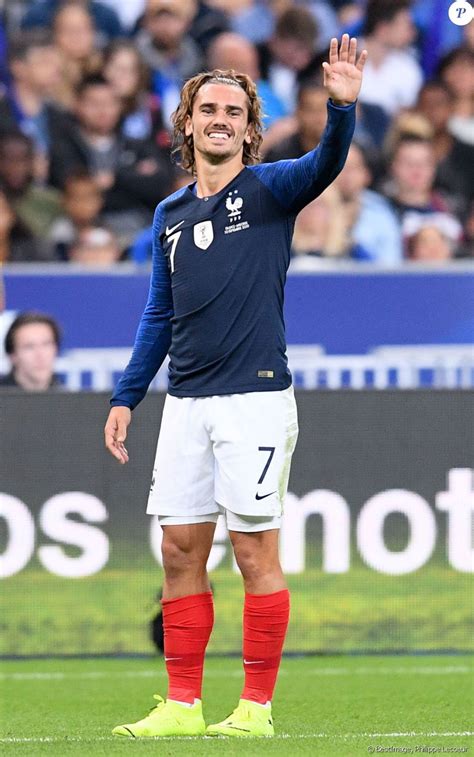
(252, 662)
(168, 659)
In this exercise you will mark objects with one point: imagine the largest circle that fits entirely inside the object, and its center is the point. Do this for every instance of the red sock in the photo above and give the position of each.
(265, 622)
(187, 624)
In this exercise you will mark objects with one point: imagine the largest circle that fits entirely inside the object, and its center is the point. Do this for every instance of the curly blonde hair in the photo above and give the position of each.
(184, 145)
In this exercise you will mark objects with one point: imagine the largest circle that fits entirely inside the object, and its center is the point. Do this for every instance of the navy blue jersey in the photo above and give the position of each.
(219, 270)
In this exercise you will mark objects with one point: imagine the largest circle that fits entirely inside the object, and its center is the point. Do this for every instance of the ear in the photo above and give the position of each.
(188, 126)
(248, 134)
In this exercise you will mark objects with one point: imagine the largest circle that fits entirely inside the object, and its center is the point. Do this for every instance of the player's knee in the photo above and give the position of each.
(252, 565)
(178, 558)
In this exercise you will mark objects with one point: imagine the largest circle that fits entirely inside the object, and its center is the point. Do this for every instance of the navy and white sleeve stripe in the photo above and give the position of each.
(295, 183)
(153, 338)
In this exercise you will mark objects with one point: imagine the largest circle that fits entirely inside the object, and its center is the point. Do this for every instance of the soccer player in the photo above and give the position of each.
(221, 250)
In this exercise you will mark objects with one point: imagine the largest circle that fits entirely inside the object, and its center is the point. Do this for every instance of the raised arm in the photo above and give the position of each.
(295, 183)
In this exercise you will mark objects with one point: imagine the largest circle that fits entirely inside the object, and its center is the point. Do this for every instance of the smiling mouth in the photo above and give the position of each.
(218, 135)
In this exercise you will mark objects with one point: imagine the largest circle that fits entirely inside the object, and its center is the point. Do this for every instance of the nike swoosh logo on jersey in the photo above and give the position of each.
(263, 496)
(173, 228)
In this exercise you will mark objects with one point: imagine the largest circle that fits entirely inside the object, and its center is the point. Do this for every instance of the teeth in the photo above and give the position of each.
(218, 135)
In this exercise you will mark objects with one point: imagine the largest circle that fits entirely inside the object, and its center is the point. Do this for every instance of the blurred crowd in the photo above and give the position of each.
(88, 87)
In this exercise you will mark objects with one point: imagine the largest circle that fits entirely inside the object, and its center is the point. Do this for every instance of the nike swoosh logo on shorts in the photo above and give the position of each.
(258, 496)
(173, 228)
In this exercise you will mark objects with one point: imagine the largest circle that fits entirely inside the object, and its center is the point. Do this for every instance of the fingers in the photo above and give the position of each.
(344, 49)
(362, 58)
(114, 445)
(352, 51)
(333, 56)
(121, 431)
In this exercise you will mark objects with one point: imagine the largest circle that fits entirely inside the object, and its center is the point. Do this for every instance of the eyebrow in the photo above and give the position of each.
(228, 107)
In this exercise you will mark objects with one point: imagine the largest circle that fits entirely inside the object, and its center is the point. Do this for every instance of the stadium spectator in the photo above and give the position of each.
(232, 51)
(168, 49)
(393, 77)
(34, 75)
(321, 228)
(373, 226)
(431, 243)
(105, 18)
(412, 171)
(454, 159)
(310, 121)
(36, 206)
(32, 343)
(95, 247)
(306, 128)
(74, 37)
(456, 70)
(134, 174)
(82, 203)
(289, 55)
(17, 243)
(129, 77)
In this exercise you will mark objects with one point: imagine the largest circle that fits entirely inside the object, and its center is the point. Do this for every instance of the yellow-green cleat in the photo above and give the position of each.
(166, 719)
(248, 719)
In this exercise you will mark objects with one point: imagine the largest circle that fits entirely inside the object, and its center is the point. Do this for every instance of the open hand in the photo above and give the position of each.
(115, 432)
(342, 75)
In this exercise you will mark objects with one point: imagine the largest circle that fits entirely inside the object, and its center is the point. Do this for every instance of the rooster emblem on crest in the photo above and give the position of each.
(234, 206)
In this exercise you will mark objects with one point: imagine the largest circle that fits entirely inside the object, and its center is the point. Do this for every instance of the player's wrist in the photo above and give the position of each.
(341, 103)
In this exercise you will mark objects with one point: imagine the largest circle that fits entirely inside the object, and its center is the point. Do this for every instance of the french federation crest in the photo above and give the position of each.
(203, 234)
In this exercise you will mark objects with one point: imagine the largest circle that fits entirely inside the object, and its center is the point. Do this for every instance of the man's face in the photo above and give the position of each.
(34, 354)
(98, 109)
(355, 176)
(311, 113)
(74, 33)
(435, 104)
(40, 70)
(166, 27)
(219, 122)
(291, 52)
(414, 167)
(400, 32)
(16, 165)
(82, 201)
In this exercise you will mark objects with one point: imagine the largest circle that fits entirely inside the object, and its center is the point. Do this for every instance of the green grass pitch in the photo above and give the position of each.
(323, 706)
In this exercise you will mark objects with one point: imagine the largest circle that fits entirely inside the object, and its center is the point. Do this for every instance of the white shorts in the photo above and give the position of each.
(230, 452)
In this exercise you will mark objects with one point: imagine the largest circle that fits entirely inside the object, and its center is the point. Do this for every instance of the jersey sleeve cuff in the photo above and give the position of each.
(121, 403)
(341, 107)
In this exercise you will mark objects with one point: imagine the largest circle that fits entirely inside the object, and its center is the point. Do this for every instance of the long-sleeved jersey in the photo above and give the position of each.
(219, 269)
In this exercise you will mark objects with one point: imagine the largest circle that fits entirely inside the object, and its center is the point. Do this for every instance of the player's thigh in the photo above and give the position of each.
(254, 438)
(187, 541)
(183, 473)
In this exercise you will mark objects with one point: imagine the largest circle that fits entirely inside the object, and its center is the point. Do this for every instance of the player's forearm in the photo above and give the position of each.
(151, 347)
(330, 156)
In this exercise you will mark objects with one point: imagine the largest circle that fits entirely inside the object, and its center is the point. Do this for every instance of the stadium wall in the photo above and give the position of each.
(376, 539)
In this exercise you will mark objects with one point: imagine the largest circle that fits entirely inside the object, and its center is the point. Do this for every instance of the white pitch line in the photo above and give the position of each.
(407, 734)
(327, 671)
